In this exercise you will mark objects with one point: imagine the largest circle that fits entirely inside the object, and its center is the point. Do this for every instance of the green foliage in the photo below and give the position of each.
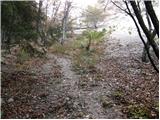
(55, 32)
(93, 36)
(58, 48)
(137, 112)
(18, 21)
(22, 56)
(118, 94)
(85, 60)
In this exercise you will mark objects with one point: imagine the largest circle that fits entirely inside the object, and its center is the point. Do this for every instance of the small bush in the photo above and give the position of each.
(137, 112)
(84, 60)
(58, 48)
(22, 56)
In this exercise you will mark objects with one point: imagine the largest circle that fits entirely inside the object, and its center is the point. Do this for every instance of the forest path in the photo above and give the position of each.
(88, 100)
(51, 88)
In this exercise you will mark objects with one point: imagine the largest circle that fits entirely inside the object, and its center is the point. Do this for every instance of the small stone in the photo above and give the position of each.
(2, 101)
(27, 116)
(87, 116)
(67, 98)
(10, 100)
(80, 114)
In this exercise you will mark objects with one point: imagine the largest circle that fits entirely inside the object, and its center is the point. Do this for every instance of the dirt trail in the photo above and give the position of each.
(85, 98)
(70, 78)
(86, 101)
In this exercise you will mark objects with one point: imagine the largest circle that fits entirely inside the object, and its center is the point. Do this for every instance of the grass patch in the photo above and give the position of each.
(58, 48)
(118, 94)
(85, 60)
(22, 56)
(119, 97)
(137, 112)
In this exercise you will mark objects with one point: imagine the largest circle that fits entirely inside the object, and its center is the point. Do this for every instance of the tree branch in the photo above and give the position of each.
(140, 35)
(120, 8)
(152, 15)
(144, 28)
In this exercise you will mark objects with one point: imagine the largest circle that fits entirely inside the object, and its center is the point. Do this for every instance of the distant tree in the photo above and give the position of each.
(93, 16)
(67, 9)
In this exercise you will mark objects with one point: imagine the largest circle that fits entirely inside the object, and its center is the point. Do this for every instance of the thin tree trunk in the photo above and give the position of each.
(144, 28)
(64, 21)
(144, 53)
(140, 35)
(152, 15)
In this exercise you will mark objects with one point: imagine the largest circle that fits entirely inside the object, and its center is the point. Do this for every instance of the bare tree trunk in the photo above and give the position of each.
(55, 11)
(39, 15)
(65, 19)
(140, 35)
(139, 32)
(41, 28)
(152, 15)
(144, 53)
(45, 27)
(144, 28)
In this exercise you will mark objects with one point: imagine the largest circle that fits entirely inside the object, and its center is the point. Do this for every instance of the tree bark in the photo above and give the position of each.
(152, 15)
(65, 19)
(140, 35)
(144, 53)
(144, 28)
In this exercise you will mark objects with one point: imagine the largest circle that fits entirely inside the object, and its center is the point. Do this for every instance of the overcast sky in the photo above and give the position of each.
(79, 5)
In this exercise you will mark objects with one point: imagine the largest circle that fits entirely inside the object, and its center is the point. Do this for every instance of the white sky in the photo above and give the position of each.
(78, 4)
(83, 3)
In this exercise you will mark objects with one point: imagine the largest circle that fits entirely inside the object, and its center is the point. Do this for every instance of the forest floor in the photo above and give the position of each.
(119, 85)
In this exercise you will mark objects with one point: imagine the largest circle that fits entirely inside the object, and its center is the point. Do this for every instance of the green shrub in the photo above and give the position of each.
(22, 56)
(137, 112)
(58, 48)
(89, 37)
(85, 60)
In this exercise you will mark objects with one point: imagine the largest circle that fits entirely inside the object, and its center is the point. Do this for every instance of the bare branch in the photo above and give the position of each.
(140, 35)
(120, 8)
